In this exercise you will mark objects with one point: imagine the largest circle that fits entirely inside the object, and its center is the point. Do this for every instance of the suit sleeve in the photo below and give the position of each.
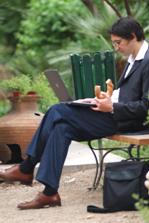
(135, 109)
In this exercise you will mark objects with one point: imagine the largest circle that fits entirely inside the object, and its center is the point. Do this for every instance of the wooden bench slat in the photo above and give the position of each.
(132, 139)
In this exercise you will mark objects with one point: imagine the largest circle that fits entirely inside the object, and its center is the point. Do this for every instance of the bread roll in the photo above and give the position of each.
(109, 89)
(97, 91)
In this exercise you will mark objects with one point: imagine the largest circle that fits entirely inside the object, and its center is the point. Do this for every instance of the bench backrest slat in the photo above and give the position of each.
(91, 69)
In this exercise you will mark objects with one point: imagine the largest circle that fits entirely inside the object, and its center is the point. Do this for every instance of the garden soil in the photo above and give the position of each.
(75, 198)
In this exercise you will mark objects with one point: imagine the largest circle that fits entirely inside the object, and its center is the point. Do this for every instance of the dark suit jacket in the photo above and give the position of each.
(131, 111)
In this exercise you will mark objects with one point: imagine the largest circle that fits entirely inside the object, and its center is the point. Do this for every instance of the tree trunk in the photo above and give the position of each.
(91, 6)
(127, 7)
(114, 8)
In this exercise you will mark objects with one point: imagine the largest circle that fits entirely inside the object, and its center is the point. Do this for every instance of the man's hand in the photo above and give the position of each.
(104, 105)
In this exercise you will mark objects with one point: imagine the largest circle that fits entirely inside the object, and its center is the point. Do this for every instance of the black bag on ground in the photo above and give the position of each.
(121, 181)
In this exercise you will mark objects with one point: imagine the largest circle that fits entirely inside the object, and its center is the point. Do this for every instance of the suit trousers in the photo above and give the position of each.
(61, 124)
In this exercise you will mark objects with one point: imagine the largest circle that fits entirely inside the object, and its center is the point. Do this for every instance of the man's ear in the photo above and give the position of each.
(133, 36)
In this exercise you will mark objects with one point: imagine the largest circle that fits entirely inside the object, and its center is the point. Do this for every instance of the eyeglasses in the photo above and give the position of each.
(116, 43)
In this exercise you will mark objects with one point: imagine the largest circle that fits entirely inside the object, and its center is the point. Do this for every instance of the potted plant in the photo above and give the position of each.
(17, 85)
(20, 91)
(26, 87)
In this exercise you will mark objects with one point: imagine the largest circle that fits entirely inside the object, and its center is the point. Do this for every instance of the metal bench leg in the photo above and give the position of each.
(138, 152)
(100, 163)
(97, 165)
(101, 168)
(128, 150)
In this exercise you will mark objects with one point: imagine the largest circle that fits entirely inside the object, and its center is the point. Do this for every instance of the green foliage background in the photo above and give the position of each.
(40, 34)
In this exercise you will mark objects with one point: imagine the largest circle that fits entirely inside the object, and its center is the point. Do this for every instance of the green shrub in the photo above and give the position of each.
(48, 98)
(21, 83)
(11, 13)
(44, 29)
(5, 106)
(45, 24)
(142, 206)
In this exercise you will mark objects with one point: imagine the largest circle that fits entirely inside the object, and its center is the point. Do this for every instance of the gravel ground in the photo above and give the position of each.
(75, 198)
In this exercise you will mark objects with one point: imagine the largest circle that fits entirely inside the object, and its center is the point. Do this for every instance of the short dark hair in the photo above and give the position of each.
(125, 27)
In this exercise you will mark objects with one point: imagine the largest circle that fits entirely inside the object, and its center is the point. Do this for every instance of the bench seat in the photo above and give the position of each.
(136, 139)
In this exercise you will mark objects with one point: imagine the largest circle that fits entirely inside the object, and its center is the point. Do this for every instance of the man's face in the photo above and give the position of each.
(121, 45)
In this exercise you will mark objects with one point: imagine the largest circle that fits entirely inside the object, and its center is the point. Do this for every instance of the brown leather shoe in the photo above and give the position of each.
(40, 201)
(14, 174)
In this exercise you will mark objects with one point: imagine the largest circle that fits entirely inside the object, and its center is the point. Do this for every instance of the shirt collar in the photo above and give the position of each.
(140, 54)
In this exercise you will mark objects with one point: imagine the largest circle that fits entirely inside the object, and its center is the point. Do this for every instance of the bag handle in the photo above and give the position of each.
(95, 209)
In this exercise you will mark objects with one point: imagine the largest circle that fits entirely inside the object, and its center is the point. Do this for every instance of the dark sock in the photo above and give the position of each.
(49, 191)
(28, 165)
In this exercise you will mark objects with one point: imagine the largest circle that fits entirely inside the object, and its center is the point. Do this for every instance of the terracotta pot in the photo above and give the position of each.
(19, 125)
(24, 103)
(32, 93)
(16, 93)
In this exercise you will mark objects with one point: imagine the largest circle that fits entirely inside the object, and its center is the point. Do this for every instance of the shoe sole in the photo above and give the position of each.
(29, 183)
(41, 206)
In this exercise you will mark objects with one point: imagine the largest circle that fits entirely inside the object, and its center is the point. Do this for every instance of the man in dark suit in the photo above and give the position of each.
(126, 110)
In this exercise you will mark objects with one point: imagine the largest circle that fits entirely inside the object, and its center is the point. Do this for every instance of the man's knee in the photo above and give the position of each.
(59, 107)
